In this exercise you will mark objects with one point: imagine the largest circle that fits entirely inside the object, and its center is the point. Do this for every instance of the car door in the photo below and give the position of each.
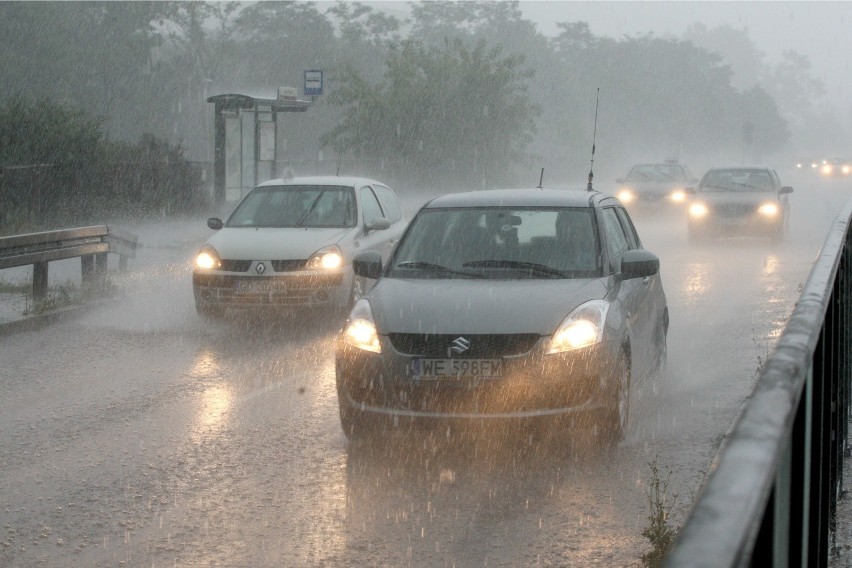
(634, 295)
(393, 212)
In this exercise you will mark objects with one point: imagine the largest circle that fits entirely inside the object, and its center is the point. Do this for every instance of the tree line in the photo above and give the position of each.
(449, 94)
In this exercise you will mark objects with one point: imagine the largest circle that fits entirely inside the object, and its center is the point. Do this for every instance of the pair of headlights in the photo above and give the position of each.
(626, 195)
(582, 328)
(769, 209)
(327, 258)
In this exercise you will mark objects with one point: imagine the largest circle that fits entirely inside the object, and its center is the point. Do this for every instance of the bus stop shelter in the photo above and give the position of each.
(250, 136)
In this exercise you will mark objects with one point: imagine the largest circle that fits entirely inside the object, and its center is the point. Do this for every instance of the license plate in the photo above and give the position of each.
(455, 368)
(247, 286)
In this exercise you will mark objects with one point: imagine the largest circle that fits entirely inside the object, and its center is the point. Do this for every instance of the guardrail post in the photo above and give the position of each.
(100, 268)
(39, 281)
(87, 268)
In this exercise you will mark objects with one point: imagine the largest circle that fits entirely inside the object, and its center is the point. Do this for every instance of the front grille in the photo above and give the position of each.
(481, 346)
(735, 209)
(288, 265)
(234, 265)
(295, 282)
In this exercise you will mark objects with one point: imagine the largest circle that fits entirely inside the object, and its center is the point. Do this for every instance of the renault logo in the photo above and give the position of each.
(260, 268)
(458, 346)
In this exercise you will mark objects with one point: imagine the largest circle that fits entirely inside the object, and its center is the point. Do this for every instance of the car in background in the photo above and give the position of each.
(835, 167)
(504, 306)
(731, 201)
(289, 244)
(662, 183)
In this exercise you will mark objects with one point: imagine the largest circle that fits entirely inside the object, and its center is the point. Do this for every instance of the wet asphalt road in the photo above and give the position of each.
(137, 435)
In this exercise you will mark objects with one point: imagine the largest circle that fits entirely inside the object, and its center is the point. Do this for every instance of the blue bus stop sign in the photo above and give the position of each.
(313, 82)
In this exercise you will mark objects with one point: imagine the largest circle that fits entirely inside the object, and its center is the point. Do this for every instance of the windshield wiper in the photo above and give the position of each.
(310, 210)
(540, 269)
(435, 268)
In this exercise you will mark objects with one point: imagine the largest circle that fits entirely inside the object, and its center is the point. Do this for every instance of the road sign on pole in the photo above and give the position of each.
(313, 82)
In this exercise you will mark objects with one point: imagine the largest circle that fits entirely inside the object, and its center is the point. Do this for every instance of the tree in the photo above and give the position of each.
(448, 115)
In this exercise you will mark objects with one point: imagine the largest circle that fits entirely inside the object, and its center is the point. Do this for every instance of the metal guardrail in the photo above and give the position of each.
(91, 244)
(771, 500)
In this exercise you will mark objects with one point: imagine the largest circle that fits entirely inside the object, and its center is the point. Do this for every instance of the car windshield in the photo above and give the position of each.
(737, 180)
(499, 243)
(657, 172)
(296, 206)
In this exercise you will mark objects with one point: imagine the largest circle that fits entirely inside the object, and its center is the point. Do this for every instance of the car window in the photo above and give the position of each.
(370, 205)
(296, 206)
(737, 180)
(617, 242)
(390, 205)
(499, 242)
(629, 229)
(657, 172)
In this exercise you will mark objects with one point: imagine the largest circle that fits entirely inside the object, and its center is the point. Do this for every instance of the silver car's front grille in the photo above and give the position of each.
(478, 346)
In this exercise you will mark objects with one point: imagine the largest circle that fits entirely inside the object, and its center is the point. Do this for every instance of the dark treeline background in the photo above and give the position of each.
(453, 95)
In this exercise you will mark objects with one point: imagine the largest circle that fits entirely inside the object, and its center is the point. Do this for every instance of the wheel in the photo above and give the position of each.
(613, 421)
(355, 425)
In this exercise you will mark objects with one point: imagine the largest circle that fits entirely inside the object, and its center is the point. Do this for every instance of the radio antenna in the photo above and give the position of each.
(541, 178)
(594, 139)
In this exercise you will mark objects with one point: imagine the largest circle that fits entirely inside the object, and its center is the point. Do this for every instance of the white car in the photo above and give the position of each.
(289, 244)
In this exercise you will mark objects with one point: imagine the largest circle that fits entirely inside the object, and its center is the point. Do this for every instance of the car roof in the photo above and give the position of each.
(322, 180)
(532, 197)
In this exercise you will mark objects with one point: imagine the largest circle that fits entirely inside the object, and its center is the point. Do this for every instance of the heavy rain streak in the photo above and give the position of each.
(175, 411)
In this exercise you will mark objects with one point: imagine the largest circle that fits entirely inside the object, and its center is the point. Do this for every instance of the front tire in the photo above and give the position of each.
(613, 423)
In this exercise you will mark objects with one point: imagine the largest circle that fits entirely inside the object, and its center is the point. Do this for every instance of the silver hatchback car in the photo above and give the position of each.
(503, 305)
(289, 244)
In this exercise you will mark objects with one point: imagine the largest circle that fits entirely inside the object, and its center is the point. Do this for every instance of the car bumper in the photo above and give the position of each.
(740, 224)
(291, 290)
(534, 385)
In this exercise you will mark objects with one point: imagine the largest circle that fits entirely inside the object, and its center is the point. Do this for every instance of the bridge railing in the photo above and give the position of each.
(91, 244)
(771, 500)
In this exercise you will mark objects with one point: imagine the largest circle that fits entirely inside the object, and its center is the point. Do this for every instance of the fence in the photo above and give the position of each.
(91, 244)
(771, 500)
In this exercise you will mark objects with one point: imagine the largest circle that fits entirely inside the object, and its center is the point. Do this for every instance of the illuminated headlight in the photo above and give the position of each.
(846, 169)
(678, 196)
(626, 195)
(826, 169)
(207, 258)
(582, 328)
(768, 209)
(799, 165)
(327, 258)
(698, 210)
(360, 330)
(813, 164)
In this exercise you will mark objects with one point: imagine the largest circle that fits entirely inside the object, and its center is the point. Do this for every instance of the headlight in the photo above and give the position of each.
(583, 327)
(826, 169)
(207, 258)
(626, 195)
(698, 210)
(768, 209)
(846, 169)
(678, 196)
(327, 258)
(360, 330)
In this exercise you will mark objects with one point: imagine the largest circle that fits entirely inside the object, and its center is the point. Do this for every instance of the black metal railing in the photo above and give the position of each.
(91, 244)
(772, 497)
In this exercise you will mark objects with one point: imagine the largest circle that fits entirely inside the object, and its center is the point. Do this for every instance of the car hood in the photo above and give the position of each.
(268, 243)
(737, 197)
(478, 306)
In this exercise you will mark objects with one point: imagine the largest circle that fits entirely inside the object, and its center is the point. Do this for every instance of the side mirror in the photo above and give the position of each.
(379, 224)
(785, 189)
(368, 264)
(689, 190)
(639, 264)
(215, 223)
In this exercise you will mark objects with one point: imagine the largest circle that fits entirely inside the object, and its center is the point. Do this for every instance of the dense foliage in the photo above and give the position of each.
(57, 168)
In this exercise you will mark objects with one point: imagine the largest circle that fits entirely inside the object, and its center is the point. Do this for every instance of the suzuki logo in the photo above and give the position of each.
(260, 268)
(458, 346)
